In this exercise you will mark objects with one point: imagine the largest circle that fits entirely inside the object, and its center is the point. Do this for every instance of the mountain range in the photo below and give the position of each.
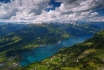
(18, 38)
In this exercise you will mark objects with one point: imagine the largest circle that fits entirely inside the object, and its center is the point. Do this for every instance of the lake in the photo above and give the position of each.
(43, 52)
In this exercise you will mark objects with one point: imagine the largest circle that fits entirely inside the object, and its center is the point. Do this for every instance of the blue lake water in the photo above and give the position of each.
(43, 52)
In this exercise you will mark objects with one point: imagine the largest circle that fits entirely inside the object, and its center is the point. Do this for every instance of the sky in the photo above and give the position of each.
(51, 10)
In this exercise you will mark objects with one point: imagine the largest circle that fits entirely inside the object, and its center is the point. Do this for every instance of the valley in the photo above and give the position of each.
(16, 39)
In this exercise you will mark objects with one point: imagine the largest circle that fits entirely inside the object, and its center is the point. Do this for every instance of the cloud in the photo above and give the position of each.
(34, 10)
(96, 19)
(22, 9)
(93, 14)
(79, 9)
(80, 5)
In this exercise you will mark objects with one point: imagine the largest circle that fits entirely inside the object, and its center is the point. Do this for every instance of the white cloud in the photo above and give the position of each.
(34, 10)
(97, 19)
(86, 13)
(93, 14)
(22, 9)
(79, 9)
(80, 5)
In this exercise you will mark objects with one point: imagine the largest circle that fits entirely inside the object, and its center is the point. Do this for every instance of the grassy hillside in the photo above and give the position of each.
(17, 38)
(88, 55)
(28, 37)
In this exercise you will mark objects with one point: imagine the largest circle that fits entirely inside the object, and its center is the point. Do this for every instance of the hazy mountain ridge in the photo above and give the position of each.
(7, 28)
(73, 27)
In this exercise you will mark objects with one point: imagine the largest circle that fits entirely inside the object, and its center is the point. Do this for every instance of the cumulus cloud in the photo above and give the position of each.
(22, 9)
(80, 5)
(34, 10)
(96, 19)
(79, 9)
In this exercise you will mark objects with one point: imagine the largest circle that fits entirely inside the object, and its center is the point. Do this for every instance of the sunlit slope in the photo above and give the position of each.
(17, 38)
(26, 38)
(88, 55)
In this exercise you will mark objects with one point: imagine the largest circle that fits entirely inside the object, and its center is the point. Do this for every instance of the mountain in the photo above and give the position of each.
(88, 55)
(74, 28)
(80, 29)
(18, 38)
(25, 37)
(6, 28)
